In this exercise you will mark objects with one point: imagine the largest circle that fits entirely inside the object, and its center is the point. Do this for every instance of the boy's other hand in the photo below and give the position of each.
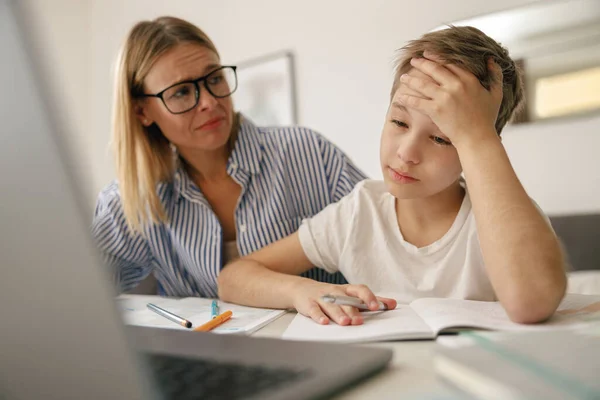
(454, 98)
(308, 302)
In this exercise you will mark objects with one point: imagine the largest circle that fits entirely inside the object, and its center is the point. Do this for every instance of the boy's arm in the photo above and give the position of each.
(520, 250)
(267, 278)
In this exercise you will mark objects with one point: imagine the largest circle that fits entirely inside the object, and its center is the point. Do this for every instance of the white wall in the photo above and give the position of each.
(343, 50)
(60, 33)
(558, 162)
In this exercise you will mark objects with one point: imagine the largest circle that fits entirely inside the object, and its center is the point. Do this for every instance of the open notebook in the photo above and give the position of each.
(245, 320)
(426, 318)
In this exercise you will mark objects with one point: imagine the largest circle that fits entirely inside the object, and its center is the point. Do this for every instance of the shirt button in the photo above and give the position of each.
(233, 165)
(243, 228)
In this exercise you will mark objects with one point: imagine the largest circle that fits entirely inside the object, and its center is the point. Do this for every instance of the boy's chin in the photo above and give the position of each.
(405, 192)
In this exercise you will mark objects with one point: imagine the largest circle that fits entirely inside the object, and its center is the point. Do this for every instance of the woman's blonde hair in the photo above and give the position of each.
(143, 155)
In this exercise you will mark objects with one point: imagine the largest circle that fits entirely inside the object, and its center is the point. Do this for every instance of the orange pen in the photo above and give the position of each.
(213, 323)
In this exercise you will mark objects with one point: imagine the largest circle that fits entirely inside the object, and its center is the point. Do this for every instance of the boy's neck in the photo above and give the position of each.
(423, 221)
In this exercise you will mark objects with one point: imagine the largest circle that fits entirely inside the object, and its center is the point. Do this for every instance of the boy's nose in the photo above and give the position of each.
(408, 151)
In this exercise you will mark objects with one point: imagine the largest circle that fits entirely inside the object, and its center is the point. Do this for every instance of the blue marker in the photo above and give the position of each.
(214, 309)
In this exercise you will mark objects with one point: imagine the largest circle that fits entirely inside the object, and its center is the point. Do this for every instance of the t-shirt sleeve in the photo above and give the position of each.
(324, 236)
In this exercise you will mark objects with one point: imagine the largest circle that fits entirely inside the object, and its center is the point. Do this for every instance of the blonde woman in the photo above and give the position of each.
(199, 184)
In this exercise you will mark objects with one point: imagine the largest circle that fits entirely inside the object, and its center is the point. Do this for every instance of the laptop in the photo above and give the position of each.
(61, 335)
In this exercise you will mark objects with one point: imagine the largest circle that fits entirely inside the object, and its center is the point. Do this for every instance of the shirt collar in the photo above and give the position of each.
(246, 154)
(247, 151)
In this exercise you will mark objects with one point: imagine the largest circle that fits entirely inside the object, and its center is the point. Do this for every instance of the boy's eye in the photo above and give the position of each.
(440, 141)
(399, 123)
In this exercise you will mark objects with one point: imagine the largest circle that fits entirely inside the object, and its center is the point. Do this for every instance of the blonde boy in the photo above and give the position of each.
(424, 231)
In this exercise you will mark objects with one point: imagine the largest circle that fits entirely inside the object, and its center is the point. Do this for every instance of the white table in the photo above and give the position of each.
(410, 374)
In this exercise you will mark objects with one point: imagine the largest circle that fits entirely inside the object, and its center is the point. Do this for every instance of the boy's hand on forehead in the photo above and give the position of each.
(453, 98)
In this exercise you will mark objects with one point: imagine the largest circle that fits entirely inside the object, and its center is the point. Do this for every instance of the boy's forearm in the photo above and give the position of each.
(522, 255)
(249, 283)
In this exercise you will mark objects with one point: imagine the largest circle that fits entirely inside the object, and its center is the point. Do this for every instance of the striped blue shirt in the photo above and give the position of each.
(286, 175)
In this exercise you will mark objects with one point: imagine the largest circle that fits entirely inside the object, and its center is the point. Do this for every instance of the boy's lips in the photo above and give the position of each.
(401, 177)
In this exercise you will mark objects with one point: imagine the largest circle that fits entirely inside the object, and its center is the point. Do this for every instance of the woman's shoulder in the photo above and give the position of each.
(109, 198)
(291, 134)
(285, 138)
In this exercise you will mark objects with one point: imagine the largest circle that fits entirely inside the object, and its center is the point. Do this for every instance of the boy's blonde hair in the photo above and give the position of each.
(470, 49)
(143, 155)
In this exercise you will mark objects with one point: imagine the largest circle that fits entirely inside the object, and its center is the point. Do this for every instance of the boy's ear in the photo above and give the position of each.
(140, 112)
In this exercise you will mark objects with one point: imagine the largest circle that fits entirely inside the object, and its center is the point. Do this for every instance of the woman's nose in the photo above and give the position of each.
(206, 101)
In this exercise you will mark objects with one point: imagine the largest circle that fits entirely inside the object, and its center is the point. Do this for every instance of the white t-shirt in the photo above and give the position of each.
(359, 236)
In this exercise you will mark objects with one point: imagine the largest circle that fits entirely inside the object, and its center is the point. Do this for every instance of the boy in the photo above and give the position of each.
(424, 231)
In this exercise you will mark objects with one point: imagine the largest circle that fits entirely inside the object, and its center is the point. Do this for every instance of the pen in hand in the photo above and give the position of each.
(351, 301)
(169, 315)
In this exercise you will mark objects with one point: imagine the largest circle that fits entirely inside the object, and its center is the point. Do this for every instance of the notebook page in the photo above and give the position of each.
(401, 323)
(440, 314)
(244, 320)
(134, 311)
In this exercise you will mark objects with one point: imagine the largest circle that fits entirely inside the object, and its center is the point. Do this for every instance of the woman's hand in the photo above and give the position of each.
(307, 301)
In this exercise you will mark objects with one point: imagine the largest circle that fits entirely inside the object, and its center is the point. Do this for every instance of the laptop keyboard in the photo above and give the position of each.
(188, 378)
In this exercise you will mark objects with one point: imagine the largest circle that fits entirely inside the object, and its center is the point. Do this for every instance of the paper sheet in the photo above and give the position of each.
(574, 311)
(401, 323)
(245, 320)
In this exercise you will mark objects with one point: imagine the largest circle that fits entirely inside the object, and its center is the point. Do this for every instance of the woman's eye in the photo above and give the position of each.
(181, 93)
(439, 140)
(215, 80)
(399, 123)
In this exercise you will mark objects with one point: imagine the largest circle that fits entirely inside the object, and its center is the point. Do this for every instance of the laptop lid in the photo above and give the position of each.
(60, 336)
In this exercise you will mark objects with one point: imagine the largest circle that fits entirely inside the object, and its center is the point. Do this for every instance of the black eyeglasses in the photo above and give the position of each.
(184, 96)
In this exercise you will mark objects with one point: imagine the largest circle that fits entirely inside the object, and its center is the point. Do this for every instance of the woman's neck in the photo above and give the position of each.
(206, 166)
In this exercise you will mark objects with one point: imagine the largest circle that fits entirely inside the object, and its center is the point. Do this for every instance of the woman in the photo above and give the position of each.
(199, 184)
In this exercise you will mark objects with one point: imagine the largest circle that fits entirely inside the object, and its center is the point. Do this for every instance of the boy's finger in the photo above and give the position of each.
(438, 72)
(336, 314)
(498, 76)
(365, 294)
(430, 55)
(425, 87)
(496, 70)
(416, 103)
(390, 303)
(460, 72)
(316, 314)
(354, 314)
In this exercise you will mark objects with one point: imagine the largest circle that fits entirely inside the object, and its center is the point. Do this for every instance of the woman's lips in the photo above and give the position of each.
(211, 124)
